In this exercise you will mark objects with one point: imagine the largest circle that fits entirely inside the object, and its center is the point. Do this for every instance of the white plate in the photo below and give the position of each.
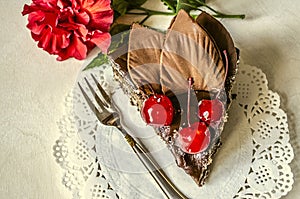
(252, 162)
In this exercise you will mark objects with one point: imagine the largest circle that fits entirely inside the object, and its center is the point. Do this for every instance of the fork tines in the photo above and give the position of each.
(102, 91)
(103, 104)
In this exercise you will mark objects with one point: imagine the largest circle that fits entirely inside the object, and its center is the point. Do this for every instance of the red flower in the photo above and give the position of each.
(70, 28)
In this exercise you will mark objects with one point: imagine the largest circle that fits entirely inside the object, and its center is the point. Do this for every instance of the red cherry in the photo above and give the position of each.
(158, 110)
(210, 110)
(194, 139)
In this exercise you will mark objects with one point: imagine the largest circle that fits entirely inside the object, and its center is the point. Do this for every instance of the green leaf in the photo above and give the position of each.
(185, 5)
(194, 2)
(120, 6)
(189, 5)
(136, 3)
(118, 40)
(97, 61)
(117, 28)
(171, 4)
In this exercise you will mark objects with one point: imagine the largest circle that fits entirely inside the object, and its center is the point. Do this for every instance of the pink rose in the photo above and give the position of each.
(70, 28)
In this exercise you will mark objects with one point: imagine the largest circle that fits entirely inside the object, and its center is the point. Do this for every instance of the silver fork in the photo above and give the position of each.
(108, 115)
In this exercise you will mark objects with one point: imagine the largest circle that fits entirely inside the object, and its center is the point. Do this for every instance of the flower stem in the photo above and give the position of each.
(150, 12)
(145, 19)
(223, 15)
(136, 13)
(242, 16)
(217, 13)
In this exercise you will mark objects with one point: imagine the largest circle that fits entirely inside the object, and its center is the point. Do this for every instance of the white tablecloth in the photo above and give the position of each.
(33, 87)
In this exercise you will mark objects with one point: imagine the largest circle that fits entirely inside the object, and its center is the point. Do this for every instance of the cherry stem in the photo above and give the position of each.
(189, 101)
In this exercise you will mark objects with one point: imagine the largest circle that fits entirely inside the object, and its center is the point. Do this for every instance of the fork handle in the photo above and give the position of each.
(169, 189)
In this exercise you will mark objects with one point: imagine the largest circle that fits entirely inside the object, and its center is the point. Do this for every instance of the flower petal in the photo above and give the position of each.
(45, 2)
(102, 20)
(27, 9)
(102, 40)
(45, 40)
(70, 28)
(76, 49)
(63, 40)
(83, 17)
(96, 5)
(80, 49)
(60, 39)
(34, 22)
(100, 12)
(81, 31)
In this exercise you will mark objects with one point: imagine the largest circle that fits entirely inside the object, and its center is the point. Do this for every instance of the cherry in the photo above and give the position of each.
(210, 110)
(158, 110)
(195, 138)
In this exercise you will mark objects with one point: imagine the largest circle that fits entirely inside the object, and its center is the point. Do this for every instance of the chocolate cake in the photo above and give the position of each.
(181, 83)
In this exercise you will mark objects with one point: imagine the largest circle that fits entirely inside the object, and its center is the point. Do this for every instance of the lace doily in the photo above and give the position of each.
(252, 163)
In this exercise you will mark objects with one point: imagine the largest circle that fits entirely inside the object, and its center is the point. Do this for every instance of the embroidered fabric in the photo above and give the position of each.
(253, 161)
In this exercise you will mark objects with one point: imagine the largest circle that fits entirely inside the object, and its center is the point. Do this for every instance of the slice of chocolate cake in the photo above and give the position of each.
(181, 83)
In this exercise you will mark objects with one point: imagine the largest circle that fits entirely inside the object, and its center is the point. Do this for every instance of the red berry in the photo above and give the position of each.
(194, 139)
(210, 110)
(158, 110)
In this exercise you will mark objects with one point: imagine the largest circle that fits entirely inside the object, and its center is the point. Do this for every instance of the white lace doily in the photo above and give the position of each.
(253, 161)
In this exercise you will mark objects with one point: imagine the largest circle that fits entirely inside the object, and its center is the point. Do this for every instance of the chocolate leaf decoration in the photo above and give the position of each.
(222, 39)
(144, 51)
(188, 51)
